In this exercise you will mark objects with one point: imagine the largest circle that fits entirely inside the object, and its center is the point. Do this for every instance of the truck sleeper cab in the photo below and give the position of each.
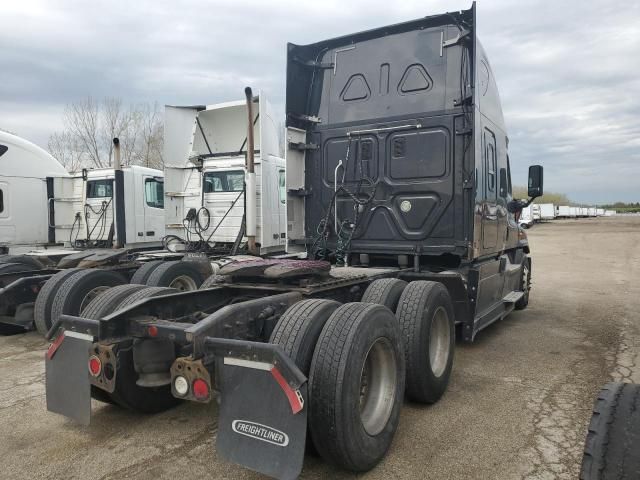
(205, 170)
(399, 195)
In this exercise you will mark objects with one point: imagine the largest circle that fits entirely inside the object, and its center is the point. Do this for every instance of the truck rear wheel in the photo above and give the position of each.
(611, 450)
(44, 300)
(141, 275)
(109, 300)
(525, 285)
(131, 396)
(80, 289)
(426, 318)
(143, 293)
(385, 291)
(355, 386)
(183, 276)
(299, 327)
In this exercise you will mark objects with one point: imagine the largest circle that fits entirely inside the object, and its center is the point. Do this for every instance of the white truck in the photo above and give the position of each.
(547, 211)
(206, 174)
(24, 193)
(52, 222)
(44, 206)
(526, 217)
(535, 212)
(563, 211)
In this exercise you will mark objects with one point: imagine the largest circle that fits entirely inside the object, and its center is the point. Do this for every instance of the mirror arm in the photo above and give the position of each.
(517, 205)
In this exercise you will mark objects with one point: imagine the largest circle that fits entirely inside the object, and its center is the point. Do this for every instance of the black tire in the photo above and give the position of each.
(27, 260)
(147, 292)
(525, 285)
(45, 298)
(72, 296)
(385, 291)
(299, 327)
(168, 274)
(213, 281)
(355, 334)
(612, 449)
(109, 300)
(422, 306)
(131, 396)
(141, 275)
(15, 268)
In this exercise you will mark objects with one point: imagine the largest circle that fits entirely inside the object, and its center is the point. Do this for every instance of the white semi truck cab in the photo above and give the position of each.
(206, 174)
(88, 211)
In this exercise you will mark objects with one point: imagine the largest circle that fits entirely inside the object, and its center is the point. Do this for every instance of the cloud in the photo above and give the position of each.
(566, 70)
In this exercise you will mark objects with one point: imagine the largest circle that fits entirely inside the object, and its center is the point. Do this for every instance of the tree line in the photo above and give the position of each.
(89, 126)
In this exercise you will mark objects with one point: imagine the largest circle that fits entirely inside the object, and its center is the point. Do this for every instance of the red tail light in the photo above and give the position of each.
(200, 389)
(95, 366)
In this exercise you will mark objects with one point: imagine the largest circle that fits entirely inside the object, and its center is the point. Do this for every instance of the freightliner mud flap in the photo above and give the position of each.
(262, 423)
(68, 387)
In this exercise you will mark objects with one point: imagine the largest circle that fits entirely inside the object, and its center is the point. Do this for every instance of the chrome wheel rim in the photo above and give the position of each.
(183, 283)
(439, 342)
(378, 386)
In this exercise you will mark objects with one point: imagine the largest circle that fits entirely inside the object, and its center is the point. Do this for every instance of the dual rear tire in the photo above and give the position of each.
(360, 359)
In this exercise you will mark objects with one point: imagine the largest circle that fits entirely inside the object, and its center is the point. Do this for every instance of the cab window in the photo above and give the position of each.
(154, 192)
(100, 188)
(231, 181)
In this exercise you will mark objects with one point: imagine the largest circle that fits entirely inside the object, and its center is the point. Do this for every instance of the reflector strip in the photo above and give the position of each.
(51, 351)
(240, 362)
(295, 398)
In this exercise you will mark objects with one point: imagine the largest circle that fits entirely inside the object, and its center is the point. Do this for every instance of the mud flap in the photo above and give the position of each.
(262, 423)
(68, 388)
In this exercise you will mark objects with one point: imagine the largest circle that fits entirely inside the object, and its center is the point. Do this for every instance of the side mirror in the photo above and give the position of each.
(536, 188)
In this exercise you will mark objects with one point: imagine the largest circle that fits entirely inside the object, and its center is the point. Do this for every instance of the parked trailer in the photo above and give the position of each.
(547, 211)
(600, 212)
(592, 212)
(563, 212)
(371, 178)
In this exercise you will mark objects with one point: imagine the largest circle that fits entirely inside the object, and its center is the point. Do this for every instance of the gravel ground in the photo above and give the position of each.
(517, 407)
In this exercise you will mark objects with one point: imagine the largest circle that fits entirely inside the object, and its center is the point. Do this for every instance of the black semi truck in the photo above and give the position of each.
(399, 199)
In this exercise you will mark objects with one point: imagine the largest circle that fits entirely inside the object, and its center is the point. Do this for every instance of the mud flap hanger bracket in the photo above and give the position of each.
(259, 353)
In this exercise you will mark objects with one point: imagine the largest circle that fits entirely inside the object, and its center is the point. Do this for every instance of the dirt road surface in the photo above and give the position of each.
(517, 407)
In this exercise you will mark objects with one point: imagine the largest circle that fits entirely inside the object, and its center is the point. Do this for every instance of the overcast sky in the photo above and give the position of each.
(568, 71)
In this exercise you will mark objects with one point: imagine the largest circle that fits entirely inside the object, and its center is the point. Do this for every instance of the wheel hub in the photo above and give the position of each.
(378, 386)
(439, 342)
